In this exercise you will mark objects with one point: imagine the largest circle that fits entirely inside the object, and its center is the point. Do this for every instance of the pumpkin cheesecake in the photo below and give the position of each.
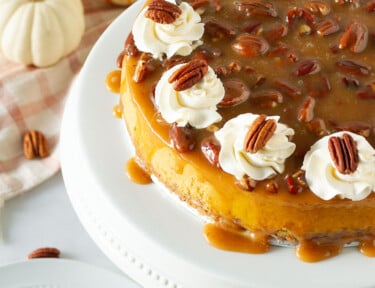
(260, 115)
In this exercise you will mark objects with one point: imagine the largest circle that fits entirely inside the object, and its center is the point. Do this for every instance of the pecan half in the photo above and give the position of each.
(355, 37)
(249, 45)
(188, 75)
(162, 12)
(45, 252)
(182, 138)
(35, 145)
(236, 92)
(256, 7)
(344, 153)
(353, 67)
(327, 27)
(259, 133)
(318, 7)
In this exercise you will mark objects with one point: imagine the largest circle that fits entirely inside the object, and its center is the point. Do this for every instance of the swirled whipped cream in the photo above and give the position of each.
(261, 165)
(327, 182)
(196, 105)
(178, 38)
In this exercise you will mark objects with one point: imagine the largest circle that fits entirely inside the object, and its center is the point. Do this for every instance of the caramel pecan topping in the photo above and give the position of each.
(45, 252)
(344, 153)
(259, 133)
(162, 12)
(35, 145)
(189, 74)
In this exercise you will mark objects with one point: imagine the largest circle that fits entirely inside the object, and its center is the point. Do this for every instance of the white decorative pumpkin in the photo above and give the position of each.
(40, 32)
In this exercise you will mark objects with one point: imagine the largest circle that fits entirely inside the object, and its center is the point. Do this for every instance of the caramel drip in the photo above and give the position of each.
(238, 241)
(117, 111)
(309, 251)
(113, 81)
(367, 247)
(136, 173)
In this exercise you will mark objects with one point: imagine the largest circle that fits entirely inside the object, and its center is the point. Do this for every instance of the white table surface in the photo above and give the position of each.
(44, 217)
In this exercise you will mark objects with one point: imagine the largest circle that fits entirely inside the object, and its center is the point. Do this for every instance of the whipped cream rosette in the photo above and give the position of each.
(326, 181)
(264, 163)
(180, 37)
(196, 105)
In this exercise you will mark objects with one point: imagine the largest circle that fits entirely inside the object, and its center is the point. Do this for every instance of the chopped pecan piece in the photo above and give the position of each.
(267, 98)
(306, 113)
(288, 89)
(355, 37)
(353, 67)
(211, 149)
(370, 7)
(218, 30)
(189, 74)
(299, 13)
(367, 92)
(246, 183)
(143, 67)
(344, 153)
(358, 127)
(318, 127)
(259, 133)
(276, 33)
(129, 46)
(162, 12)
(306, 67)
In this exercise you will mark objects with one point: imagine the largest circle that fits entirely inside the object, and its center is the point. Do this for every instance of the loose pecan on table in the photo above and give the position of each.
(35, 145)
(162, 12)
(45, 252)
(344, 153)
(188, 75)
(259, 133)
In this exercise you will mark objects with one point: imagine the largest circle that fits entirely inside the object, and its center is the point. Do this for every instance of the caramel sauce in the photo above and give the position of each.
(113, 81)
(309, 251)
(136, 173)
(234, 240)
(367, 247)
(117, 111)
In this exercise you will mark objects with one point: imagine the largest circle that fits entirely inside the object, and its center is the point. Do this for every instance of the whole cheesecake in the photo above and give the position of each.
(260, 115)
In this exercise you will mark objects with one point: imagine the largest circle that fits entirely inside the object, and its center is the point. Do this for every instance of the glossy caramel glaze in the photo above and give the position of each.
(136, 173)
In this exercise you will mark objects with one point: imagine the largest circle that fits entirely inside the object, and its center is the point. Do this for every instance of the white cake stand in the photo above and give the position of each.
(148, 234)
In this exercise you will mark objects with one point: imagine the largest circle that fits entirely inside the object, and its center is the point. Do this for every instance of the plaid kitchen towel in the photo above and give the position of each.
(33, 99)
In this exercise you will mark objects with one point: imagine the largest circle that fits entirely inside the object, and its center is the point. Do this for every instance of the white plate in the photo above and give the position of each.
(159, 243)
(59, 273)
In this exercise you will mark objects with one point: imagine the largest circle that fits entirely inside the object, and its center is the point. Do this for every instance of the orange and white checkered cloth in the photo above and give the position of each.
(33, 99)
